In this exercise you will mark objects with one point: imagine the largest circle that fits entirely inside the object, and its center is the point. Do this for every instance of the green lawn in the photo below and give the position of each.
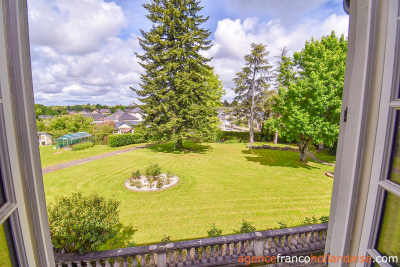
(4, 256)
(220, 183)
(50, 156)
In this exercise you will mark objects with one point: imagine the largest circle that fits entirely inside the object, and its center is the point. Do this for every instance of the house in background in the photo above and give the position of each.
(105, 111)
(123, 127)
(45, 139)
(97, 117)
(121, 116)
(136, 112)
(45, 117)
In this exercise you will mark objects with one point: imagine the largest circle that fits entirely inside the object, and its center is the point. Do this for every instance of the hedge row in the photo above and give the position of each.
(116, 140)
(240, 136)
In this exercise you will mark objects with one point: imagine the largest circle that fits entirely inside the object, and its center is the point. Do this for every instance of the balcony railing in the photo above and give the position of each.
(214, 251)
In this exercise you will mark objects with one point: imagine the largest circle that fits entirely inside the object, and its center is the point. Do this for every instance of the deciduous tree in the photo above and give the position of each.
(309, 102)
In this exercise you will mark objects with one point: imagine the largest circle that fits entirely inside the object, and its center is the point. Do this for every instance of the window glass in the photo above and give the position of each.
(4, 251)
(388, 242)
(394, 174)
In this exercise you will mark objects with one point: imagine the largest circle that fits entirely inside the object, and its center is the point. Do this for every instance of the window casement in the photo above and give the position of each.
(24, 231)
(381, 227)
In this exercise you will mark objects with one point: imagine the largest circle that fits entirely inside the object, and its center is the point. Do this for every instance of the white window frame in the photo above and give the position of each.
(384, 139)
(20, 158)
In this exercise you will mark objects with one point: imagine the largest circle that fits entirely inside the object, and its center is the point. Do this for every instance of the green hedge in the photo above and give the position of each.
(240, 136)
(115, 140)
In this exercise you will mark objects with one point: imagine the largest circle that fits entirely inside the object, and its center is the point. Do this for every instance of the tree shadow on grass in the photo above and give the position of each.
(276, 158)
(188, 147)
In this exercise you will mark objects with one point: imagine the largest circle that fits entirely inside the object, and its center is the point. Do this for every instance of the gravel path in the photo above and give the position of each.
(89, 159)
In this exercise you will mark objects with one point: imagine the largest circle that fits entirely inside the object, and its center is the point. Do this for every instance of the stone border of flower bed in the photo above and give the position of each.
(273, 147)
(145, 188)
(330, 174)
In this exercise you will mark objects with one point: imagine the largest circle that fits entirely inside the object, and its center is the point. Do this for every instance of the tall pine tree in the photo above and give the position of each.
(251, 88)
(179, 91)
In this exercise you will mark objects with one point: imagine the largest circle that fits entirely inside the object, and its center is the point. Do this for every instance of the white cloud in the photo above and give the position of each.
(74, 26)
(232, 40)
(79, 57)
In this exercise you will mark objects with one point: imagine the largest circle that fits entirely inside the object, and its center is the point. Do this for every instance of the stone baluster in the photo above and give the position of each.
(299, 242)
(143, 260)
(213, 255)
(318, 237)
(196, 255)
(235, 250)
(180, 258)
(204, 258)
(220, 256)
(134, 261)
(242, 248)
(250, 246)
(312, 240)
(69, 264)
(273, 248)
(152, 262)
(107, 263)
(88, 264)
(323, 236)
(279, 244)
(188, 257)
(306, 242)
(285, 242)
(293, 241)
(227, 254)
(98, 263)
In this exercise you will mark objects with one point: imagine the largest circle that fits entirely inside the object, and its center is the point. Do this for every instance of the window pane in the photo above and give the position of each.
(388, 242)
(394, 173)
(4, 251)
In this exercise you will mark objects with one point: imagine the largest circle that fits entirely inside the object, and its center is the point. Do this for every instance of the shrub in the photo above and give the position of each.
(116, 140)
(246, 228)
(82, 146)
(324, 219)
(83, 223)
(166, 239)
(214, 231)
(239, 136)
(282, 225)
(310, 221)
(136, 183)
(234, 141)
(153, 170)
(136, 174)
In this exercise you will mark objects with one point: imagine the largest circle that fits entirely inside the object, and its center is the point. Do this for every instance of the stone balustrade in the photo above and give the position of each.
(214, 251)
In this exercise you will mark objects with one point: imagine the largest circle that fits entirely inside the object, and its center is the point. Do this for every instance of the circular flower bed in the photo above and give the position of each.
(152, 180)
(144, 183)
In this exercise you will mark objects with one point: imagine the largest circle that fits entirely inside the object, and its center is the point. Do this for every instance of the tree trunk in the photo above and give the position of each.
(303, 150)
(179, 144)
(251, 123)
(276, 137)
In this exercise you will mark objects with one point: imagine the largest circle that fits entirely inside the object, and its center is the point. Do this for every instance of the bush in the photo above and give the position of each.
(136, 175)
(246, 228)
(82, 146)
(153, 170)
(116, 140)
(239, 136)
(84, 223)
(214, 231)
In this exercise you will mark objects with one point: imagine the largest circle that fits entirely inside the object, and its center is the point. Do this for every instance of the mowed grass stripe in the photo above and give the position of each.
(219, 183)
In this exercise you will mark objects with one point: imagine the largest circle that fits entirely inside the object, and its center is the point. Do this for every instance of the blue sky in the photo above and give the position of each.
(83, 50)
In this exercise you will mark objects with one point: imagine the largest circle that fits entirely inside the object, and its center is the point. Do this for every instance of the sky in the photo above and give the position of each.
(83, 51)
